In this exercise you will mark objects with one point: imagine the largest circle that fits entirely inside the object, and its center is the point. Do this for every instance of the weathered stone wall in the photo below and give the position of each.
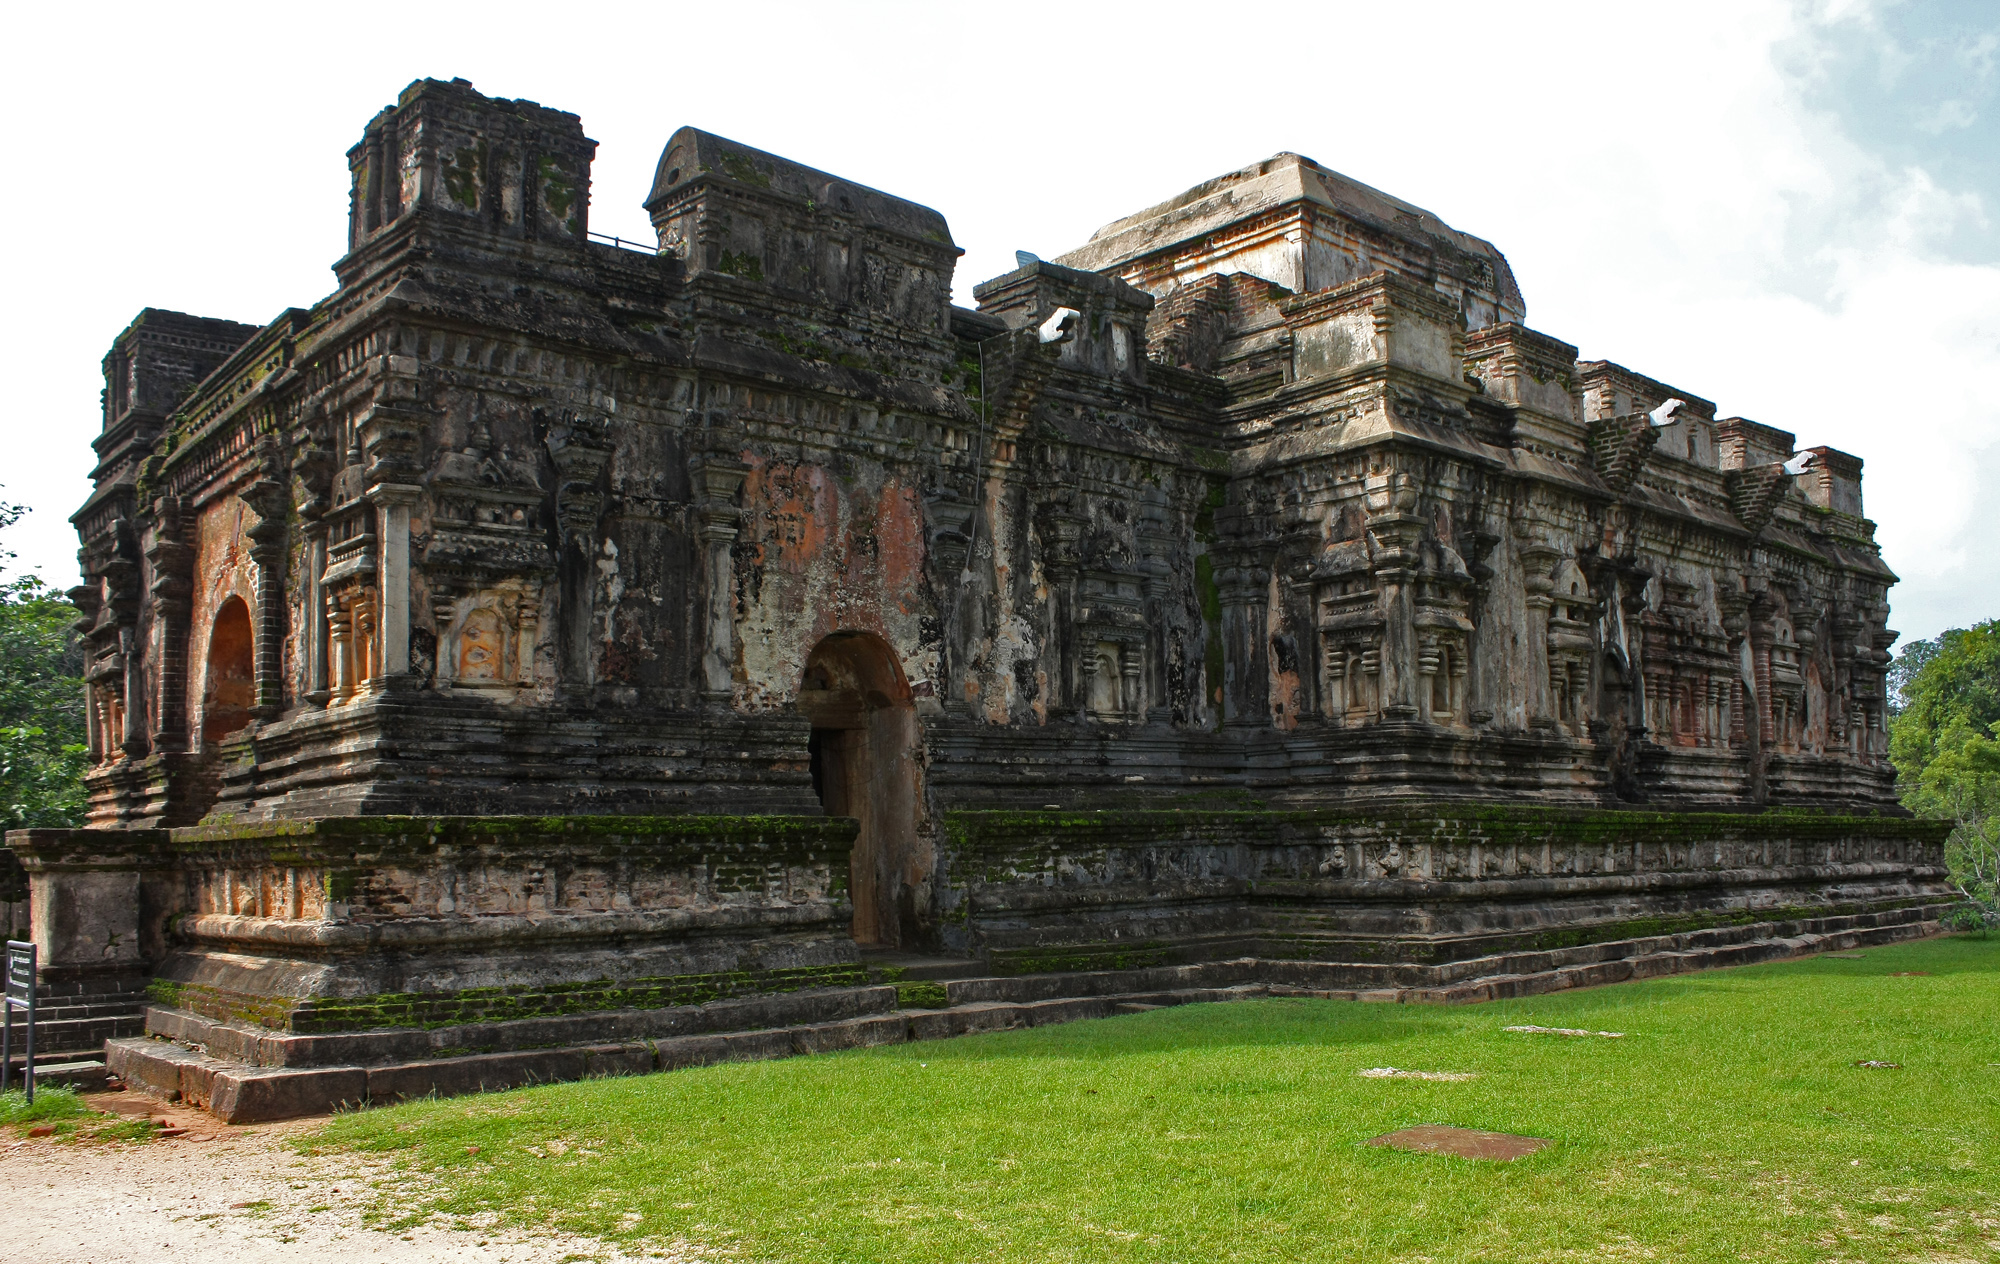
(1291, 505)
(348, 923)
(1037, 891)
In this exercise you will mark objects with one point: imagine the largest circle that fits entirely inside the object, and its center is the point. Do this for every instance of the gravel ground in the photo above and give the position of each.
(222, 1195)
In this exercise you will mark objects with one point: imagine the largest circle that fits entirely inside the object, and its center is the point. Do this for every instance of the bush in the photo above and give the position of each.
(1972, 919)
(1944, 738)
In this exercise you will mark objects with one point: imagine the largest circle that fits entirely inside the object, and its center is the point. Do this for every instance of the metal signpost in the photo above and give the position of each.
(20, 995)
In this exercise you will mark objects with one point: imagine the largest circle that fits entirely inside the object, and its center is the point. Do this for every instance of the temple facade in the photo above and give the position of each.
(600, 655)
(519, 520)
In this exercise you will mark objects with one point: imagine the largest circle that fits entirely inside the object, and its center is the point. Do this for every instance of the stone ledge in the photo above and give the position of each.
(240, 1093)
(260, 1046)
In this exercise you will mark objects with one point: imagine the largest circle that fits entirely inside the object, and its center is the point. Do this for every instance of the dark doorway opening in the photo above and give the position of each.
(863, 759)
(229, 684)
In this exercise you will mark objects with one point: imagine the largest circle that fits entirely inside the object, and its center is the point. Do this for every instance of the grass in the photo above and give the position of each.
(1730, 1123)
(51, 1105)
(73, 1119)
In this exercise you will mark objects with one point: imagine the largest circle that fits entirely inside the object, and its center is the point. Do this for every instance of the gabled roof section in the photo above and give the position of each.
(1289, 179)
(692, 154)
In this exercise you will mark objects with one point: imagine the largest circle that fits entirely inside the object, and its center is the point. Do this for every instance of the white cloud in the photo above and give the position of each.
(1948, 116)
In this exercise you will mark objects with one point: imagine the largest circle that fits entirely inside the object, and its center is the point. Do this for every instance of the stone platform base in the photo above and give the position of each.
(263, 1075)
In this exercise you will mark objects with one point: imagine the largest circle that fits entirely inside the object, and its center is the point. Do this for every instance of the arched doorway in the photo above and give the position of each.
(864, 765)
(229, 685)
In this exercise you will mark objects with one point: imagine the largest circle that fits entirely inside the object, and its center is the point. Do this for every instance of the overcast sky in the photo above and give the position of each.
(1790, 209)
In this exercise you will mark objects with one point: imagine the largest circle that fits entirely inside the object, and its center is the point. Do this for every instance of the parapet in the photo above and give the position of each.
(158, 358)
(516, 167)
(1111, 336)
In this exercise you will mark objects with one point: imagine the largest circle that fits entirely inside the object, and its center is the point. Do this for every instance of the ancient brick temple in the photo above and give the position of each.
(1258, 511)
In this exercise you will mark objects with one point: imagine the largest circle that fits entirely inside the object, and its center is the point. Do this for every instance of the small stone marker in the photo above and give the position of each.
(1391, 1073)
(1466, 1143)
(1566, 1031)
(1880, 1066)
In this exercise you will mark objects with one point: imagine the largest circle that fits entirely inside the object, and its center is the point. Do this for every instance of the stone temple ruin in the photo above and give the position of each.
(544, 657)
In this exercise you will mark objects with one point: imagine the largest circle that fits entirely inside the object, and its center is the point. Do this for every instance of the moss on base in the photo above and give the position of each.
(493, 1005)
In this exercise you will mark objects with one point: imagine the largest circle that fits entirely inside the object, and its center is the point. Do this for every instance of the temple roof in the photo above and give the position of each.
(1278, 181)
(692, 153)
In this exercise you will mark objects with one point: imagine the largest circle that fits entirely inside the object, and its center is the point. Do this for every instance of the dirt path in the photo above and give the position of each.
(224, 1195)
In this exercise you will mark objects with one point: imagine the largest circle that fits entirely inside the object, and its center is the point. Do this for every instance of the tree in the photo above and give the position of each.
(42, 739)
(1908, 663)
(1944, 738)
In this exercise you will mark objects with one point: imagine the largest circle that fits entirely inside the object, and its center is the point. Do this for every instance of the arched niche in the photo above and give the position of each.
(229, 688)
(864, 763)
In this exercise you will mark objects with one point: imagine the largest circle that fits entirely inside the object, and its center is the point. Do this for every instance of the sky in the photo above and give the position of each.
(1789, 208)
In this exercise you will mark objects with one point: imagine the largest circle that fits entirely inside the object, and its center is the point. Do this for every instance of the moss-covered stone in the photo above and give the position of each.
(922, 996)
(489, 1005)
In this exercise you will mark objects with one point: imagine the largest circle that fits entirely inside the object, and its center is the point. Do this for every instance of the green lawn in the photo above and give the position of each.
(1730, 1123)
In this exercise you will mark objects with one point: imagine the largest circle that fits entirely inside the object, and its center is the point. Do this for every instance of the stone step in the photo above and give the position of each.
(67, 1011)
(1645, 965)
(81, 1074)
(240, 1092)
(886, 966)
(130, 985)
(78, 1035)
(261, 1046)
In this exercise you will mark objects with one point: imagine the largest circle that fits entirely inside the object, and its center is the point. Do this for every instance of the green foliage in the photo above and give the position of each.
(42, 739)
(1944, 739)
(51, 1103)
(1730, 1123)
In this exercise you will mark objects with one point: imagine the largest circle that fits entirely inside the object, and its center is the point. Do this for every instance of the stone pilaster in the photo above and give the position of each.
(317, 648)
(1243, 586)
(1397, 531)
(1538, 580)
(579, 444)
(1062, 539)
(718, 478)
(170, 562)
(267, 555)
(1156, 549)
(951, 521)
(392, 506)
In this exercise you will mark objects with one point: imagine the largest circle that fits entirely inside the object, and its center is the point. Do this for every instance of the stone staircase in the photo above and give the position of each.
(247, 1074)
(74, 1019)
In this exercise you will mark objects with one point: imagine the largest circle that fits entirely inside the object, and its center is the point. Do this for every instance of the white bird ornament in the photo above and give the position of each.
(1058, 327)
